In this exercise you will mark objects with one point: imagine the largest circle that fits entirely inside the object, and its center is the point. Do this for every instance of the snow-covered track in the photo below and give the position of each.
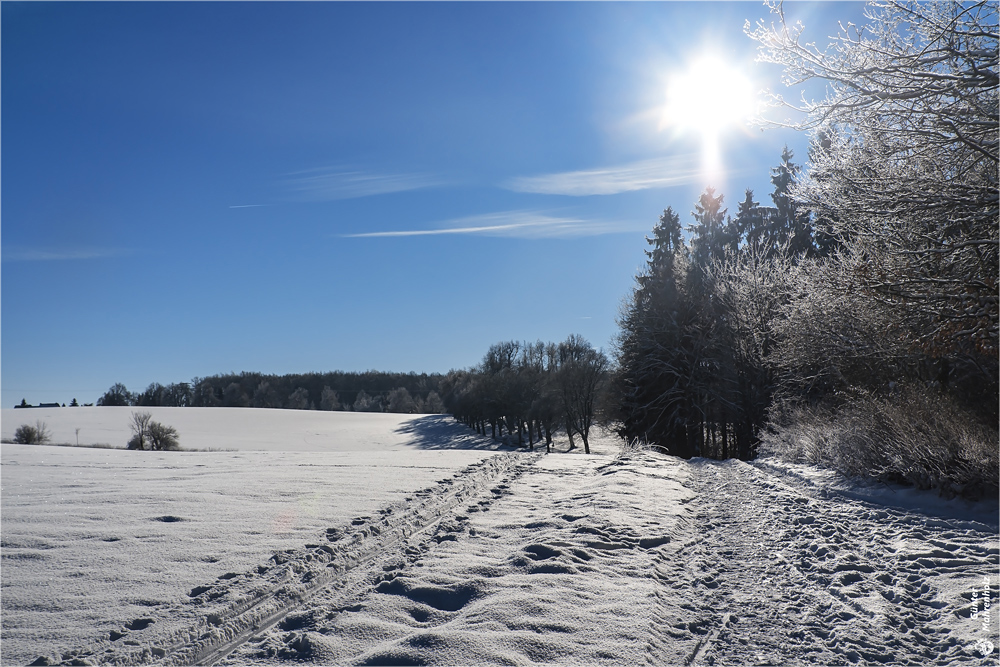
(221, 616)
(817, 577)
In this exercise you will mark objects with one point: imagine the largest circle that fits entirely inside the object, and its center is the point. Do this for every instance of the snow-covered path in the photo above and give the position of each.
(786, 575)
(592, 560)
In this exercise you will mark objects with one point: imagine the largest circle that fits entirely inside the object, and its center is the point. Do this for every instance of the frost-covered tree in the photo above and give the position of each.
(433, 404)
(401, 401)
(364, 403)
(264, 396)
(330, 400)
(299, 400)
(904, 168)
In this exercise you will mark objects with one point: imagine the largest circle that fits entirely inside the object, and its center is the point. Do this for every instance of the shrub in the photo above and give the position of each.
(147, 434)
(32, 435)
(163, 438)
(912, 436)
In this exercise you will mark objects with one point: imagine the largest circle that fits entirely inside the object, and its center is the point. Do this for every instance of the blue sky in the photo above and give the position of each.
(198, 188)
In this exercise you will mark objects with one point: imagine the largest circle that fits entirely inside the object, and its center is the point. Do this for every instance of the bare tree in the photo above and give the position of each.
(139, 425)
(582, 373)
(162, 438)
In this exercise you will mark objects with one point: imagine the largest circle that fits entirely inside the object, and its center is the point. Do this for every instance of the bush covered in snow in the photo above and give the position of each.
(913, 436)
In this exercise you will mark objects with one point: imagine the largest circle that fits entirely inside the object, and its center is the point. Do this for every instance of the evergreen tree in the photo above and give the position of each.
(750, 225)
(712, 235)
(791, 230)
(653, 350)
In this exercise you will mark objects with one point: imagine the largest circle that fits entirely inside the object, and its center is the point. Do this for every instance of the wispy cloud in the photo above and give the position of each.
(247, 206)
(330, 184)
(22, 254)
(515, 224)
(658, 173)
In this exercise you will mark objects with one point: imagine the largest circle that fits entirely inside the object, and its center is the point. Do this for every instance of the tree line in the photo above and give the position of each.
(531, 390)
(370, 391)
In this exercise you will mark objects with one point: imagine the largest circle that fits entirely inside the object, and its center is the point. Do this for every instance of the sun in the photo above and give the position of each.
(705, 100)
(708, 98)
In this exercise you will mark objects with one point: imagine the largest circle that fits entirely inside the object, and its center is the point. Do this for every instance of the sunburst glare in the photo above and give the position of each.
(708, 98)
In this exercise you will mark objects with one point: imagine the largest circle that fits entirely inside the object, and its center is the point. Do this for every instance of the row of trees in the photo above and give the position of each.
(361, 392)
(692, 371)
(531, 390)
(874, 269)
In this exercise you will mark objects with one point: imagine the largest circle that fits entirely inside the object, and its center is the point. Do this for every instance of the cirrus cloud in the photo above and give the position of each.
(642, 175)
(329, 184)
(514, 224)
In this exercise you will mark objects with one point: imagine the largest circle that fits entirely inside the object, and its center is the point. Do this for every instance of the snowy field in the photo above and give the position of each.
(94, 538)
(246, 428)
(412, 553)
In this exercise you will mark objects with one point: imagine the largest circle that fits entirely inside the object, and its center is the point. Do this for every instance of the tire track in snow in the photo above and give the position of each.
(556, 572)
(223, 615)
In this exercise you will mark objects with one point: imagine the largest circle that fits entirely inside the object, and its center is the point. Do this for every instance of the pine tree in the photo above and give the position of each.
(653, 355)
(790, 226)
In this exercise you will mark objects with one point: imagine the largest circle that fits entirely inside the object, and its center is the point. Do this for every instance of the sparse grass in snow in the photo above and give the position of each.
(912, 437)
(629, 447)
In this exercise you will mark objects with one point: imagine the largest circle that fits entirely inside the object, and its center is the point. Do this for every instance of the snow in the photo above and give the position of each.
(417, 554)
(247, 428)
(93, 538)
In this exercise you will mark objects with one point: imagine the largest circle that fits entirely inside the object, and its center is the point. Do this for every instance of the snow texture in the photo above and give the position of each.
(516, 558)
(93, 539)
(251, 428)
